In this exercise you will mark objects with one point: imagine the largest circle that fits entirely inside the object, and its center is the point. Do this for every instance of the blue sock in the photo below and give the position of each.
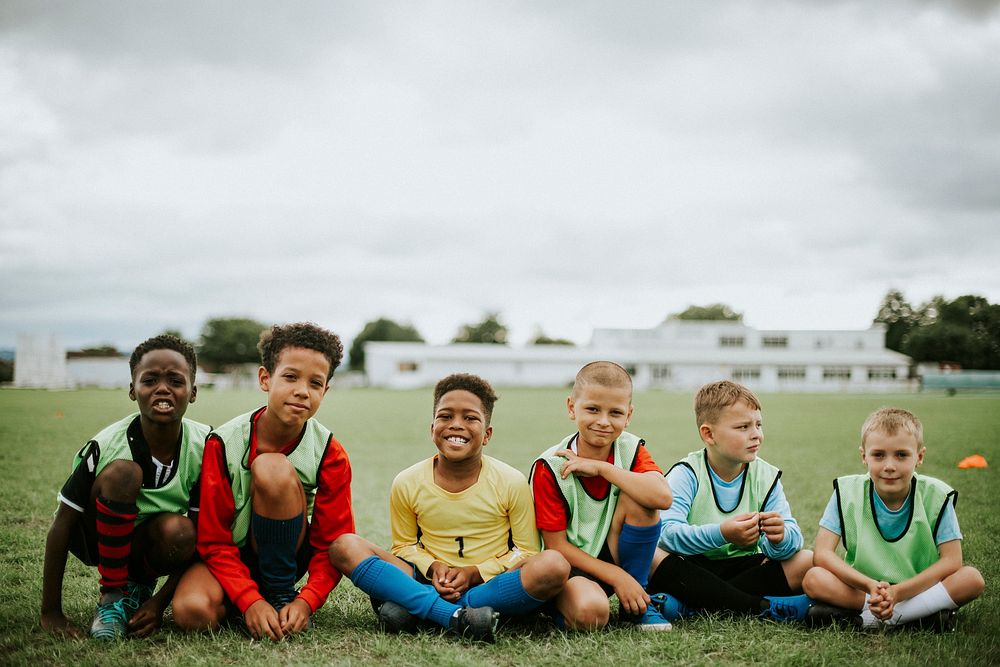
(384, 581)
(276, 546)
(504, 593)
(636, 547)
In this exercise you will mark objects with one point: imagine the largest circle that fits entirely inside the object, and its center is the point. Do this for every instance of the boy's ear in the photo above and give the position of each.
(194, 393)
(487, 434)
(570, 408)
(628, 417)
(861, 450)
(705, 431)
(263, 379)
(131, 391)
(920, 455)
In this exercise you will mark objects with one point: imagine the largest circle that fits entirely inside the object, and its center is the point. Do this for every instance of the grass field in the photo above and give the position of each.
(812, 438)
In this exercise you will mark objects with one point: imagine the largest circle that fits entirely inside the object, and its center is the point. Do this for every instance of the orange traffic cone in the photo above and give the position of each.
(974, 461)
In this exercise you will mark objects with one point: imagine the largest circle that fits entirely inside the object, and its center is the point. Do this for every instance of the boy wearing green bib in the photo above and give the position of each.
(903, 546)
(729, 542)
(597, 496)
(265, 474)
(124, 506)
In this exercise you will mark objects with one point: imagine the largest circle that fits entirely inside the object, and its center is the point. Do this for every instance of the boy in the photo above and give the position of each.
(464, 545)
(122, 509)
(900, 531)
(729, 542)
(264, 472)
(597, 499)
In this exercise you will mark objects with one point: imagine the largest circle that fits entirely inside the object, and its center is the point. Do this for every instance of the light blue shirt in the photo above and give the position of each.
(679, 537)
(893, 523)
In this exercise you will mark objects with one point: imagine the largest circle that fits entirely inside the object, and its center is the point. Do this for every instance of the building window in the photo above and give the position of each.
(836, 372)
(659, 372)
(881, 373)
(731, 341)
(791, 372)
(746, 373)
(774, 341)
(408, 367)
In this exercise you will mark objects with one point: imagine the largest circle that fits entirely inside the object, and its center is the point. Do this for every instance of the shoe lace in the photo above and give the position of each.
(111, 612)
(136, 595)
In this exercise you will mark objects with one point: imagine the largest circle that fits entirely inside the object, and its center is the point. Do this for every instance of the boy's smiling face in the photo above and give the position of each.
(891, 461)
(162, 387)
(297, 386)
(600, 413)
(459, 429)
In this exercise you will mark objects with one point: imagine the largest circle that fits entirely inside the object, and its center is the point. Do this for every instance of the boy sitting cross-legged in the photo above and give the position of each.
(123, 508)
(729, 541)
(900, 531)
(264, 473)
(598, 494)
(464, 545)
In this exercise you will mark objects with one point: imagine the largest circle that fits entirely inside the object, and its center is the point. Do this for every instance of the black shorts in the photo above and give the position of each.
(754, 574)
(605, 556)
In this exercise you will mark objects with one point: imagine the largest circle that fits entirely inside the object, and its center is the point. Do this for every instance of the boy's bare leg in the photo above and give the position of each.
(199, 601)
(349, 550)
(544, 575)
(821, 584)
(965, 585)
(164, 545)
(583, 604)
(795, 569)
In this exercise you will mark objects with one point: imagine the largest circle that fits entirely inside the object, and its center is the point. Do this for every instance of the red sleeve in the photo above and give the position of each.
(644, 462)
(550, 508)
(332, 517)
(215, 529)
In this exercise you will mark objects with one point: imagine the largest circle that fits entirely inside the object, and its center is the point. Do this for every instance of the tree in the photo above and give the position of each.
(713, 311)
(899, 318)
(541, 339)
(380, 329)
(227, 341)
(490, 330)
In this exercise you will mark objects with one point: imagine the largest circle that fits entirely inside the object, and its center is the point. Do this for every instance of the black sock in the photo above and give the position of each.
(701, 589)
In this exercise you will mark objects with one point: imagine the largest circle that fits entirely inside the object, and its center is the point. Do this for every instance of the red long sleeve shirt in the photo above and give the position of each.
(331, 517)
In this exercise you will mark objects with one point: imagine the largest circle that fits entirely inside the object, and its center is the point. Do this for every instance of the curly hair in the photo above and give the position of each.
(301, 334)
(890, 421)
(473, 384)
(715, 397)
(164, 342)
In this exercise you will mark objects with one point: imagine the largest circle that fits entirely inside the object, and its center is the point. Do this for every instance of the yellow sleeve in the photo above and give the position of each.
(403, 521)
(520, 511)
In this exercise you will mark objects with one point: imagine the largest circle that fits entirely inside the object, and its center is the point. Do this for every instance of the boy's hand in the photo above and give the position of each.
(631, 597)
(742, 530)
(578, 465)
(262, 621)
(58, 624)
(294, 616)
(772, 526)
(438, 574)
(461, 579)
(147, 618)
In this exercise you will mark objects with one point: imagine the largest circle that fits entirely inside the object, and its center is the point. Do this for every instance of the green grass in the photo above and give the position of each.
(812, 438)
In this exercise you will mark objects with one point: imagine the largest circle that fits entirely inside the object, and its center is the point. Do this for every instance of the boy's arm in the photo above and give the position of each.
(521, 515)
(215, 534)
(54, 568)
(791, 540)
(332, 517)
(824, 556)
(948, 563)
(403, 523)
(648, 489)
(677, 535)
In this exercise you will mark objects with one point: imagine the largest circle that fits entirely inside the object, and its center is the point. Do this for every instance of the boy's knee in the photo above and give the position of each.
(545, 574)
(973, 583)
(635, 514)
(172, 540)
(120, 480)
(347, 551)
(272, 474)
(196, 611)
(591, 615)
(796, 567)
(814, 580)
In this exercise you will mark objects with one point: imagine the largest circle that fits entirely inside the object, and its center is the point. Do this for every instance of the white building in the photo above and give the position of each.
(678, 354)
(40, 362)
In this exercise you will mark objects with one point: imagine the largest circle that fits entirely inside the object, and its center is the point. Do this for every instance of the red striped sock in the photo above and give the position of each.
(115, 524)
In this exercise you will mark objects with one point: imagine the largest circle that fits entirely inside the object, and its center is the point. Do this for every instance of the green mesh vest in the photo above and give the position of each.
(175, 495)
(759, 480)
(305, 457)
(588, 519)
(913, 551)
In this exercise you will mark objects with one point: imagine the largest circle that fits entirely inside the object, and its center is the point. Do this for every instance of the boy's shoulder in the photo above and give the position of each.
(502, 471)
(419, 472)
(114, 428)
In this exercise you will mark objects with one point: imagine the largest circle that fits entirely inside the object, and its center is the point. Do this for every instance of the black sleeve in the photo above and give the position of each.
(76, 491)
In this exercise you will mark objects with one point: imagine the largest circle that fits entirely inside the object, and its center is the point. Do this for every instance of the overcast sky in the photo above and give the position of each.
(569, 164)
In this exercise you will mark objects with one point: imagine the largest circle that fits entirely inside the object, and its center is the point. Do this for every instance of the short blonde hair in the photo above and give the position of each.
(889, 421)
(715, 397)
(603, 373)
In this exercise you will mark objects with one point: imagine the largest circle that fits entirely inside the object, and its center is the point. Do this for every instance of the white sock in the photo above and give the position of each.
(932, 600)
(868, 619)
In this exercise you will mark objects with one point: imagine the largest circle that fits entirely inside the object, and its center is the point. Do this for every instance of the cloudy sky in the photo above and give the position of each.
(569, 164)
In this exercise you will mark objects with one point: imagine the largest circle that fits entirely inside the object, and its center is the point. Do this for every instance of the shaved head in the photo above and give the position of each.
(603, 373)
